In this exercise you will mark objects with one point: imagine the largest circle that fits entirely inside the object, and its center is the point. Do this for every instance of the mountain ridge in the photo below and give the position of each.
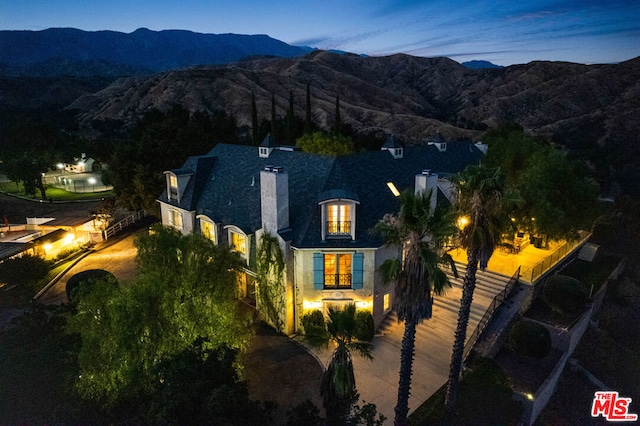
(402, 94)
(143, 51)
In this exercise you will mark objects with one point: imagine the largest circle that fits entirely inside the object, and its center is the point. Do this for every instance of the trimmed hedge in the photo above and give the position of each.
(530, 339)
(564, 294)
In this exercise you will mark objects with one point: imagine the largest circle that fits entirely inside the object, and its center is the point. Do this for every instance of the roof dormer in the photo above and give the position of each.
(267, 146)
(394, 146)
(438, 141)
(177, 181)
(338, 214)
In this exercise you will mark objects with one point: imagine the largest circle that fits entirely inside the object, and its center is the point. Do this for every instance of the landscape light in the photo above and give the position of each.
(60, 166)
(463, 221)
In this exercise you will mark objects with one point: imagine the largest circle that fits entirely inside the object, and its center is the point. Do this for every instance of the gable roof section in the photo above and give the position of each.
(226, 186)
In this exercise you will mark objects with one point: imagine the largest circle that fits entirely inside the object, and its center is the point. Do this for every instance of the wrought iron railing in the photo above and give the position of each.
(339, 227)
(337, 281)
(537, 270)
(495, 304)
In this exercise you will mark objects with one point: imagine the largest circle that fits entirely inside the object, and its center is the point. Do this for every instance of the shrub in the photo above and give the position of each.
(23, 271)
(530, 338)
(365, 329)
(564, 294)
(83, 281)
(313, 319)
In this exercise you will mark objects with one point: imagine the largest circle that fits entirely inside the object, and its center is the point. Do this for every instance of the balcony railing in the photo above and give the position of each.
(339, 228)
(337, 281)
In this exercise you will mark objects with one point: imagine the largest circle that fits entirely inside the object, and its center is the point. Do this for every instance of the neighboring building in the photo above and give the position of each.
(321, 209)
(79, 165)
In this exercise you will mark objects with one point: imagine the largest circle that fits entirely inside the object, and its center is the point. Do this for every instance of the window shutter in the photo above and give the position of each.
(318, 271)
(358, 271)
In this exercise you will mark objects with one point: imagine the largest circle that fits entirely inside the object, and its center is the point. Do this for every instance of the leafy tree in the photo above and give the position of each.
(327, 144)
(510, 148)
(559, 194)
(338, 385)
(417, 276)
(185, 292)
(484, 199)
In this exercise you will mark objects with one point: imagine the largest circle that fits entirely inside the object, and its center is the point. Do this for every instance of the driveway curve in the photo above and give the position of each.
(117, 256)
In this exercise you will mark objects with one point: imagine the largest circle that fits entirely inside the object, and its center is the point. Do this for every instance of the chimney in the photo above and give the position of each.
(274, 198)
(425, 182)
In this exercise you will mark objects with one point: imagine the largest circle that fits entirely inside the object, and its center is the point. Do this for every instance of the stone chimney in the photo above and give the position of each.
(274, 198)
(425, 182)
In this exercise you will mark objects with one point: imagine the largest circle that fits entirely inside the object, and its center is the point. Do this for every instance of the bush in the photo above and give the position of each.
(23, 271)
(530, 338)
(365, 329)
(313, 319)
(564, 294)
(83, 281)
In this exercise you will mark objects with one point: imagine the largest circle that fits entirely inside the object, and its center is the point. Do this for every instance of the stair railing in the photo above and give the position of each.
(495, 304)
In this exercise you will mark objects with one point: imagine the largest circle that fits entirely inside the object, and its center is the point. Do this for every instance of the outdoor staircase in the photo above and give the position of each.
(445, 308)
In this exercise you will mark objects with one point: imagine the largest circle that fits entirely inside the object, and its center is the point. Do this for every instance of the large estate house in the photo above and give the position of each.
(321, 209)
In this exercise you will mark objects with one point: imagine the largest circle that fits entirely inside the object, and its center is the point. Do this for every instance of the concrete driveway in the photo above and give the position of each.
(377, 380)
(117, 255)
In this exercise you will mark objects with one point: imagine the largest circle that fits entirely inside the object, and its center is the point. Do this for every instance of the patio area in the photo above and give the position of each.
(533, 261)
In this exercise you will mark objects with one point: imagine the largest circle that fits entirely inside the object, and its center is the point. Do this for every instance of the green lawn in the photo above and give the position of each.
(56, 194)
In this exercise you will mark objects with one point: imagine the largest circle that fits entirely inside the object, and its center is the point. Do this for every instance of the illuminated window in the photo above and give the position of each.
(175, 218)
(173, 186)
(208, 230)
(339, 219)
(386, 302)
(238, 243)
(337, 270)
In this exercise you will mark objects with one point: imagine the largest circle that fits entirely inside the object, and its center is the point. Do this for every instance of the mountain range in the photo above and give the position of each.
(114, 76)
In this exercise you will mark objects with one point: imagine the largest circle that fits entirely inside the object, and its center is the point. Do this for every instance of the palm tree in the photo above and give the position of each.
(483, 198)
(417, 276)
(338, 384)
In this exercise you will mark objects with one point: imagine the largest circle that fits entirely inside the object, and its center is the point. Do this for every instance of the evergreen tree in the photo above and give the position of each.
(307, 122)
(254, 121)
(273, 116)
(290, 121)
(337, 125)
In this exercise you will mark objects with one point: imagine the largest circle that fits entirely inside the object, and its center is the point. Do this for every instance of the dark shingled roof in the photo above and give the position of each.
(226, 186)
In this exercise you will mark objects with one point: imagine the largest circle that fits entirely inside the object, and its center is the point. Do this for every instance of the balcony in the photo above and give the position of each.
(339, 229)
(337, 281)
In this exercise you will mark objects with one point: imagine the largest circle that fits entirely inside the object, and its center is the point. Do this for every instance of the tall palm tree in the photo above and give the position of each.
(417, 276)
(481, 196)
(338, 384)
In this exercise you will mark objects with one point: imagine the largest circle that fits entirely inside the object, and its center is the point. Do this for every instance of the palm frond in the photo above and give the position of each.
(390, 269)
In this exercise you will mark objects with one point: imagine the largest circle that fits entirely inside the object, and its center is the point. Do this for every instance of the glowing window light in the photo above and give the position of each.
(393, 189)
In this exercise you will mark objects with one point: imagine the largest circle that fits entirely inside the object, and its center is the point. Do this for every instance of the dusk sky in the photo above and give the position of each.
(503, 32)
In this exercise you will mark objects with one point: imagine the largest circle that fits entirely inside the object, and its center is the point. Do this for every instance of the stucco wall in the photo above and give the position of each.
(188, 218)
(319, 299)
